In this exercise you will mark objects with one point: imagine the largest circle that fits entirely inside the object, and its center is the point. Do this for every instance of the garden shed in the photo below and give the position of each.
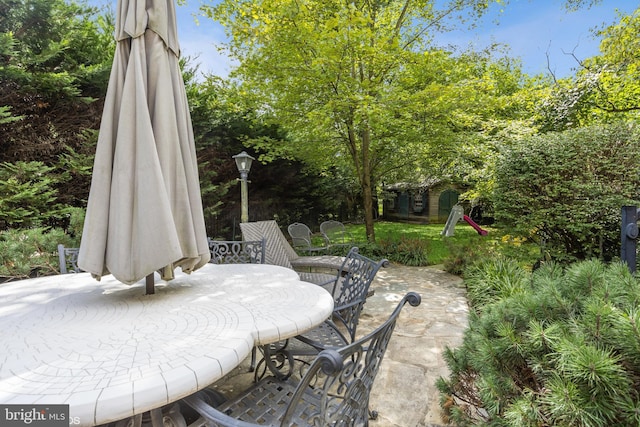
(427, 202)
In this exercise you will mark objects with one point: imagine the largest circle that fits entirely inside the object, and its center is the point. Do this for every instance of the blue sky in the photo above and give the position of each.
(532, 28)
(535, 28)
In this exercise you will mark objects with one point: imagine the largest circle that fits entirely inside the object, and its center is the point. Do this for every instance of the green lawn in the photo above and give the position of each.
(465, 242)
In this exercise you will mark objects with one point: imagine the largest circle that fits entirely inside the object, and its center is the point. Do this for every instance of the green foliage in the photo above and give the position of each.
(5, 115)
(464, 253)
(223, 126)
(404, 250)
(55, 57)
(605, 88)
(53, 46)
(490, 281)
(357, 86)
(31, 252)
(423, 244)
(565, 190)
(27, 194)
(550, 348)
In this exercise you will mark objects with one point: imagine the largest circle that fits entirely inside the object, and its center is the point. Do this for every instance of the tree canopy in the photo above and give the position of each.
(355, 83)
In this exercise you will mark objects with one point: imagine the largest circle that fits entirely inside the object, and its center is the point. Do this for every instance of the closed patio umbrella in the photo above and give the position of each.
(144, 212)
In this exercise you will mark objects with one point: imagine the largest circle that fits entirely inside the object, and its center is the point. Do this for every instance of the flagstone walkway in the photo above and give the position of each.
(404, 393)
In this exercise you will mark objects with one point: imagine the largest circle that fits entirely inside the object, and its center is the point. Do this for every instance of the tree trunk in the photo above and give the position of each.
(367, 191)
(362, 162)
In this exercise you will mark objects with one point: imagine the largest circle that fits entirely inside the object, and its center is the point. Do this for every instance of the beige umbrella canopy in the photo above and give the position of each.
(144, 212)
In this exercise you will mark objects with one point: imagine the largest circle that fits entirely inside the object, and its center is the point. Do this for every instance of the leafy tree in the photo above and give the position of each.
(565, 189)
(282, 188)
(613, 76)
(465, 109)
(329, 72)
(606, 88)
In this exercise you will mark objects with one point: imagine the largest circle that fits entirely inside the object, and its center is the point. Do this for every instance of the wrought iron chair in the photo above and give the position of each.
(237, 252)
(333, 390)
(350, 289)
(301, 238)
(335, 234)
(68, 259)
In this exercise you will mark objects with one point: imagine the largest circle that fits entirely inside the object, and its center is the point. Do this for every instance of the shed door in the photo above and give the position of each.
(403, 205)
(447, 200)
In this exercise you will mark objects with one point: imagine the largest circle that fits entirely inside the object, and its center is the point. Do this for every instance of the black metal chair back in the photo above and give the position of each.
(237, 252)
(351, 288)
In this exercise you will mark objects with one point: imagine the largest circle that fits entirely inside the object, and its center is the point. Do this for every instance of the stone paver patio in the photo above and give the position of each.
(404, 393)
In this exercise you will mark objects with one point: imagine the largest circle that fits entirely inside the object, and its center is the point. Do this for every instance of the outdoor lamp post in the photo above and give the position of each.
(243, 162)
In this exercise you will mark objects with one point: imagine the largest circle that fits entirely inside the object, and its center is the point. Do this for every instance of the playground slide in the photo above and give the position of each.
(472, 223)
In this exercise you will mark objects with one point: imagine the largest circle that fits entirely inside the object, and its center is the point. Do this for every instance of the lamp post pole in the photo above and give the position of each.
(243, 162)
(244, 199)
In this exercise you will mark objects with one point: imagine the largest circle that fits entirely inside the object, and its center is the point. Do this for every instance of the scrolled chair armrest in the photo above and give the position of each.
(330, 361)
(413, 298)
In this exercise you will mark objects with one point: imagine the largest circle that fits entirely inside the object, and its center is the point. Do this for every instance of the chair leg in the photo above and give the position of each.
(252, 367)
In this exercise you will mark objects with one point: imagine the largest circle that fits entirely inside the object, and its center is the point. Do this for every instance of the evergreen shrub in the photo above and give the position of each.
(28, 195)
(556, 347)
(31, 252)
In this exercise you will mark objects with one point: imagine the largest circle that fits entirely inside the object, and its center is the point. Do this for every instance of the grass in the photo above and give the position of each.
(465, 245)
(423, 244)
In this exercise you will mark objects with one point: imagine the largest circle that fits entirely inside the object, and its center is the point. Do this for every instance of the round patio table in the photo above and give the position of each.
(110, 352)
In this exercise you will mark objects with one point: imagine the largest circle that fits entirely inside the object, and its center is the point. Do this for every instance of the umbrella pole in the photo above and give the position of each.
(149, 280)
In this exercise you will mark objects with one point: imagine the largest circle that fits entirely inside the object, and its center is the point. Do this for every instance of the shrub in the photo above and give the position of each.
(462, 254)
(404, 250)
(28, 195)
(30, 252)
(565, 190)
(33, 251)
(550, 348)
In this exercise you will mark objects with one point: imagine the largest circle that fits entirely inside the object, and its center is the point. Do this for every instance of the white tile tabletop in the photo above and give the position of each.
(111, 352)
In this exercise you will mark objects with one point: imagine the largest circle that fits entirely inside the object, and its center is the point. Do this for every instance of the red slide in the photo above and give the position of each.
(472, 223)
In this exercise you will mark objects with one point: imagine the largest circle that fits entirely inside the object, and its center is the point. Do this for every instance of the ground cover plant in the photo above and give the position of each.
(556, 347)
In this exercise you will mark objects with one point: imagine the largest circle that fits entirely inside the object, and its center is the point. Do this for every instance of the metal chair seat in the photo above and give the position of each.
(333, 390)
(327, 335)
(266, 402)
